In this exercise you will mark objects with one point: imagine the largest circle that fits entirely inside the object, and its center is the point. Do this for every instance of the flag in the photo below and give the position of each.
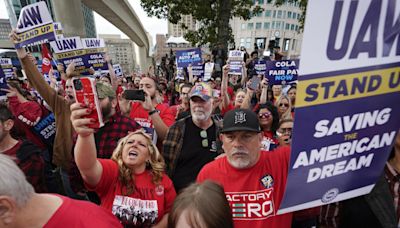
(46, 59)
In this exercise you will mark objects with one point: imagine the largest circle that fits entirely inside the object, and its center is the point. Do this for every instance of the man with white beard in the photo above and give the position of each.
(192, 142)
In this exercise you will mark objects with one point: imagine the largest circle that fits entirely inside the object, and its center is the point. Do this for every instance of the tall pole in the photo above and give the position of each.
(11, 13)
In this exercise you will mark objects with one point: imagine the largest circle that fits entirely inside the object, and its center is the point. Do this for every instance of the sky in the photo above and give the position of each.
(151, 24)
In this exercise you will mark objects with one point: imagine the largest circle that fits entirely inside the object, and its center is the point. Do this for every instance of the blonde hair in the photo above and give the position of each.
(156, 163)
(288, 113)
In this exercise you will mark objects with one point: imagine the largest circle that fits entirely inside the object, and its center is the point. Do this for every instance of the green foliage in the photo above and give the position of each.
(212, 16)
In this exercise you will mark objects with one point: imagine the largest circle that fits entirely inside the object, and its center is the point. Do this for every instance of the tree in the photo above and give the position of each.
(212, 16)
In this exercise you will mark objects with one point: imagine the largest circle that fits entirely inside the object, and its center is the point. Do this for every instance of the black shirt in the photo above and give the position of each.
(193, 155)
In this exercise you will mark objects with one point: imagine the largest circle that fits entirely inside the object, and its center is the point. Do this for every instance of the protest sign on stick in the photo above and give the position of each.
(347, 112)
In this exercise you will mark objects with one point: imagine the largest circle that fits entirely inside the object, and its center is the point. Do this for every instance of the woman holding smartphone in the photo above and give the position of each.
(132, 184)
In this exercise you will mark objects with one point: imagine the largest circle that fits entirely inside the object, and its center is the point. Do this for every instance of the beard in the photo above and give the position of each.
(199, 114)
(106, 110)
(242, 162)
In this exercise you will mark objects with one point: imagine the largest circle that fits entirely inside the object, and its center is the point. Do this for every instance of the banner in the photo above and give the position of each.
(282, 72)
(69, 50)
(347, 111)
(184, 58)
(58, 30)
(35, 25)
(236, 62)
(3, 84)
(7, 66)
(95, 50)
(260, 66)
(118, 70)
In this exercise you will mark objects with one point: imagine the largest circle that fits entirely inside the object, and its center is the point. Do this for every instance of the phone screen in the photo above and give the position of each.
(255, 81)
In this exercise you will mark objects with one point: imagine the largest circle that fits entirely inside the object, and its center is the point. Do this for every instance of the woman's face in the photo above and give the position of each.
(239, 98)
(105, 80)
(135, 153)
(283, 106)
(292, 94)
(265, 117)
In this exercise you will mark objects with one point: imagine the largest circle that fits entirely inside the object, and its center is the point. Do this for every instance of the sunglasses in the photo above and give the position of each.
(284, 104)
(285, 130)
(204, 141)
(264, 115)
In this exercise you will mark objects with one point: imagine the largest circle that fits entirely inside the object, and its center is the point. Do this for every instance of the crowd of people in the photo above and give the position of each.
(193, 153)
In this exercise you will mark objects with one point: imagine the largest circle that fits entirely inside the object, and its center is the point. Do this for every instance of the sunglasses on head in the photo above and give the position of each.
(204, 141)
(284, 104)
(264, 115)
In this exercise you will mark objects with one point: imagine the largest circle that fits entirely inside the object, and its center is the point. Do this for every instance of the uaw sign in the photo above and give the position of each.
(347, 103)
(35, 25)
(7, 66)
(236, 62)
(58, 30)
(118, 70)
(68, 50)
(95, 50)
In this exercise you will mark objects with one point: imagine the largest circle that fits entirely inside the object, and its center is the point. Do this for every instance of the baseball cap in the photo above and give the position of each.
(104, 90)
(240, 120)
(202, 90)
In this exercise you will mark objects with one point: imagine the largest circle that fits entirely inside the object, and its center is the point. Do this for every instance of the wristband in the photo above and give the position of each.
(154, 111)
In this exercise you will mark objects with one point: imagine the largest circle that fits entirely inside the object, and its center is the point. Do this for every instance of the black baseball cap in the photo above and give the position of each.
(241, 120)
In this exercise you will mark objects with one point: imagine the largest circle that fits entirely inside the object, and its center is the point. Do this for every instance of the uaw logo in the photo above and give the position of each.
(267, 181)
(240, 117)
(330, 195)
(254, 205)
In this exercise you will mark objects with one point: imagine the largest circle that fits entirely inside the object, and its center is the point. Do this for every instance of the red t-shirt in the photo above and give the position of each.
(139, 114)
(77, 213)
(145, 206)
(269, 142)
(254, 194)
(227, 109)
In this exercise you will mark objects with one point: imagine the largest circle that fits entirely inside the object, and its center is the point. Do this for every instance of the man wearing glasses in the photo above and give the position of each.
(253, 181)
(192, 142)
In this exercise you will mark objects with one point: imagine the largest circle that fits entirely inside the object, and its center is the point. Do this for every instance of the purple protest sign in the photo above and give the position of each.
(7, 66)
(69, 50)
(347, 112)
(281, 72)
(3, 84)
(95, 50)
(236, 62)
(260, 67)
(35, 25)
(186, 57)
(198, 70)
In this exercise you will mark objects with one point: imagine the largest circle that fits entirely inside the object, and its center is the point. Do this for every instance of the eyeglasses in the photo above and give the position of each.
(265, 115)
(284, 104)
(204, 141)
(285, 131)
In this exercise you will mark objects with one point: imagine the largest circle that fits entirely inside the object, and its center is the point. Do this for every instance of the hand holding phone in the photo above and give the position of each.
(86, 94)
(134, 95)
(255, 81)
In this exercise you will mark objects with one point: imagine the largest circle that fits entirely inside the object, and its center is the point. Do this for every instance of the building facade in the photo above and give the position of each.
(5, 29)
(280, 24)
(177, 30)
(88, 18)
(121, 51)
